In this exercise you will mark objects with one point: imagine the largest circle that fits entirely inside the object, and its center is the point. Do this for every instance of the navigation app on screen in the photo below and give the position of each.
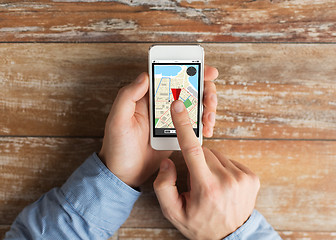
(174, 82)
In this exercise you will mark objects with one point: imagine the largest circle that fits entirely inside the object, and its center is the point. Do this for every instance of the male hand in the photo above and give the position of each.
(222, 192)
(126, 150)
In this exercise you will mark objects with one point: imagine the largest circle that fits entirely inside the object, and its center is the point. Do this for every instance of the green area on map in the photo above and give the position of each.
(156, 120)
(187, 103)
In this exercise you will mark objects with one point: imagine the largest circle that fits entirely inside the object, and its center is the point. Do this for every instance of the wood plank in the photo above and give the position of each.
(264, 91)
(168, 21)
(275, 91)
(5, 228)
(167, 233)
(53, 90)
(288, 235)
(150, 234)
(297, 183)
(115, 236)
(297, 178)
(160, 233)
(32, 166)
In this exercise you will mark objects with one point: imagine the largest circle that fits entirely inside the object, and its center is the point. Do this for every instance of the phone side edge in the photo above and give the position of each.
(201, 96)
(150, 97)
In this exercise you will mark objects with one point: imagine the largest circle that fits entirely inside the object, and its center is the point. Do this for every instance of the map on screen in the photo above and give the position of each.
(175, 82)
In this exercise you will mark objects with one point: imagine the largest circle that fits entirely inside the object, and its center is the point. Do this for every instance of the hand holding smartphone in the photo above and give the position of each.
(176, 73)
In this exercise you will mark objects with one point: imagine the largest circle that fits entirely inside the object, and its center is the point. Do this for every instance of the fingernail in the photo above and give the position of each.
(212, 118)
(164, 166)
(214, 98)
(140, 78)
(178, 106)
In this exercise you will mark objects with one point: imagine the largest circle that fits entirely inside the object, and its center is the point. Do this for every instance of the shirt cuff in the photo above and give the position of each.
(99, 196)
(256, 227)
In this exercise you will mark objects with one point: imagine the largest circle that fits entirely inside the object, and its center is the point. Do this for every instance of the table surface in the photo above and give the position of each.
(62, 63)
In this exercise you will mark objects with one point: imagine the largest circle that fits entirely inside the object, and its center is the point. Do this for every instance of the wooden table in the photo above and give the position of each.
(62, 63)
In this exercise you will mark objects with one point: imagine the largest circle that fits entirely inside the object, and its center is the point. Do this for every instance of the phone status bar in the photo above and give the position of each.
(176, 61)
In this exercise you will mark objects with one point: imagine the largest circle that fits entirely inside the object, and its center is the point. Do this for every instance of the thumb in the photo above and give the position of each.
(124, 105)
(166, 191)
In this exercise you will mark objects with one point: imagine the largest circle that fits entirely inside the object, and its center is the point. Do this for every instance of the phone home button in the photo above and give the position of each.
(169, 131)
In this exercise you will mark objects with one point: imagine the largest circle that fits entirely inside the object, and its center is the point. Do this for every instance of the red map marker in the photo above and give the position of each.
(176, 93)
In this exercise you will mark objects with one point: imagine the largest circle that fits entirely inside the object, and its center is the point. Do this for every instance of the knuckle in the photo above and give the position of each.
(214, 86)
(211, 191)
(169, 214)
(124, 91)
(195, 229)
(211, 88)
(206, 151)
(184, 122)
(155, 184)
(158, 185)
(232, 183)
(210, 85)
(255, 180)
(241, 176)
(195, 150)
(165, 212)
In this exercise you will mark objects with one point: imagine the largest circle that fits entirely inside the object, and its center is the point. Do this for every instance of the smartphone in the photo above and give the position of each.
(176, 72)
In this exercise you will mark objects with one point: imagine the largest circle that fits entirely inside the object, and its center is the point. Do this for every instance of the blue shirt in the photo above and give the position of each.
(93, 204)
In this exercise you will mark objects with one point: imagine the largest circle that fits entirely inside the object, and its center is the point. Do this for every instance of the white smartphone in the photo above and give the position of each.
(176, 72)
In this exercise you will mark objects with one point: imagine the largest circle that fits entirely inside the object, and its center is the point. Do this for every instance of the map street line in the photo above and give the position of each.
(172, 82)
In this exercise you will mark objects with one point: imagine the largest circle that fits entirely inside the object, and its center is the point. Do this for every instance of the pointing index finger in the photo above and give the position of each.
(190, 145)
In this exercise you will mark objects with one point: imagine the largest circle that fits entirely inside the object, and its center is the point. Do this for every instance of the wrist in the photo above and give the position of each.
(101, 156)
(126, 180)
(250, 222)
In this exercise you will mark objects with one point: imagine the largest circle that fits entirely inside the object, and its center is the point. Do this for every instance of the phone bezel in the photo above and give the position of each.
(174, 53)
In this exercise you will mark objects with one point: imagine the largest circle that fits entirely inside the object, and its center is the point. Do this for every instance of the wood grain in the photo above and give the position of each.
(280, 98)
(152, 234)
(32, 166)
(289, 235)
(297, 177)
(3, 230)
(168, 21)
(281, 91)
(166, 233)
(115, 236)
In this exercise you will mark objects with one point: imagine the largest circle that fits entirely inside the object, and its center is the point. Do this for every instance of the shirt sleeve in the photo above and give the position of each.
(92, 204)
(256, 227)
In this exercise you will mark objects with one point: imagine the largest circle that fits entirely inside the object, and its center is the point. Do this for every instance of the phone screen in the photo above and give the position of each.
(175, 81)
